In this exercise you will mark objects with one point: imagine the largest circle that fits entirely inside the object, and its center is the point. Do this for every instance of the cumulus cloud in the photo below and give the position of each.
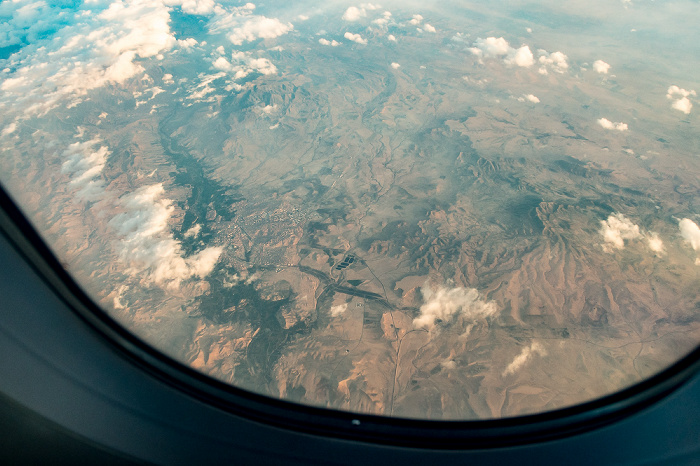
(332, 43)
(601, 67)
(618, 228)
(355, 38)
(520, 57)
(148, 248)
(443, 303)
(391, 37)
(691, 234)
(259, 27)
(84, 165)
(607, 124)
(529, 98)
(415, 20)
(194, 7)
(193, 232)
(339, 309)
(556, 61)
(493, 47)
(680, 98)
(525, 355)
(429, 28)
(242, 64)
(354, 13)
(395, 65)
(490, 47)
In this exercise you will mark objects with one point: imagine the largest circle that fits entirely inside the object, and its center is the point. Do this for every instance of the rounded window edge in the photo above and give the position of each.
(326, 422)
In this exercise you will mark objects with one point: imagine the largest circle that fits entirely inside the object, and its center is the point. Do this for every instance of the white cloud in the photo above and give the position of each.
(395, 65)
(445, 303)
(416, 20)
(429, 28)
(520, 57)
(332, 43)
(525, 355)
(85, 166)
(691, 234)
(9, 129)
(555, 60)
(241, 65)
(259, 27)
(607, 124)
(85, 50)
(355, 38)
(531, 98)
(490, 47)
(616, 229)
(498, 47)
(680, 97)
(193, 232)
(339, 309)
(302, 18)
(148, 248)
(391, 37)
(683, 104)
(601, 67)
(194, 7)
(354, 13)
(655, 243)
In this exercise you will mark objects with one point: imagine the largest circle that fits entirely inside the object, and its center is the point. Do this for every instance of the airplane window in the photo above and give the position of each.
(431, 210)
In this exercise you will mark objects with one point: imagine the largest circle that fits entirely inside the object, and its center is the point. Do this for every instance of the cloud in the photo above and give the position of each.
(655, 243)
(395, 65)
(354, 13)
(601, 67)
(429, 28)
(691, 234)
(148, 248)
(391, 37)
(607, 124)
(332, 43)
(490, 47)
(493, 47)
(241, 65)
(525, 355)
(194, 7)
(83, 50)
(339, 309)
(520, 57)
(616, 229)
(557, 61)
(529, 98)
(259, 27)
(355, 38)
(445, 303)
(193, 232)
(416, 20)
(683, 103)
(84, 165)
(9, 129)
